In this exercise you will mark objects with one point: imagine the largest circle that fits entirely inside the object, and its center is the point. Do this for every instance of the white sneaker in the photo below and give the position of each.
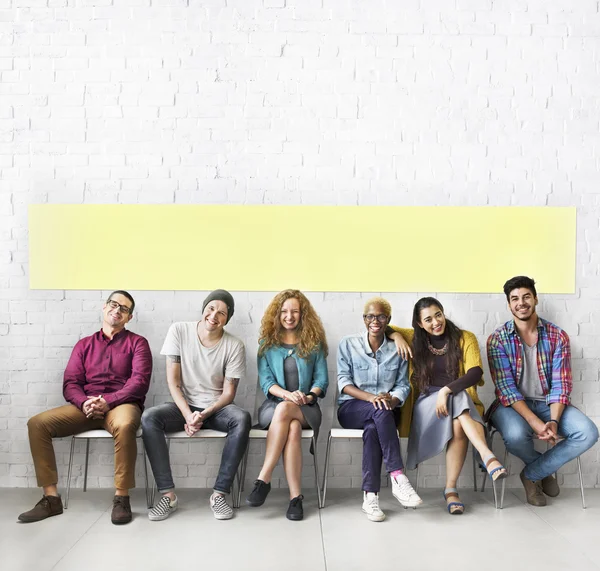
(162, 509)
(219, 506)
(371, 506)
(404, 492)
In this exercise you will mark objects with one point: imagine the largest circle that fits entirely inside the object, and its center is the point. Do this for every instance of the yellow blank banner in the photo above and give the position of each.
(313, 248)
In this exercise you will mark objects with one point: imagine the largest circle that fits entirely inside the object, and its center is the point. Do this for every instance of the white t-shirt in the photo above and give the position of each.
(203, 369)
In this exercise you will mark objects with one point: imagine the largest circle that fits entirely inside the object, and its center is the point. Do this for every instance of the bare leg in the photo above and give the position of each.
(278, 435)
(476, 435)
(292, 459)
(455, 454)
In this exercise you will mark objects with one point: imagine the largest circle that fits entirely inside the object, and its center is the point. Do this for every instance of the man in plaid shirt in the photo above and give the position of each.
(530, 363)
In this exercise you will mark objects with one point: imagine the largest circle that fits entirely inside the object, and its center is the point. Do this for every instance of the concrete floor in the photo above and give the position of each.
(559, 536)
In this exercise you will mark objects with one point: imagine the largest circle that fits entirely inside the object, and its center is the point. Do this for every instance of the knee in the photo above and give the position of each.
(295, 430)
(126, 427)
(241, 421)
(284, 411)
(384, 416)
(458, 433)
(150, 420)
(36, 424)
(587, 435)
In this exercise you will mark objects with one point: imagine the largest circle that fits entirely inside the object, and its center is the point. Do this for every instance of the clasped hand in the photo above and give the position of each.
(193, 423)
(95, 407)
(297, 397)
(382, 401)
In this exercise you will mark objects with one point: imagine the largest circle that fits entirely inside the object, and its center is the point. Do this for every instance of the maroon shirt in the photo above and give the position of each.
(119, 369)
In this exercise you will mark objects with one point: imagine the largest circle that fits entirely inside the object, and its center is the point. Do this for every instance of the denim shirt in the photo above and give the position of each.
(312, 371)
(381, 372)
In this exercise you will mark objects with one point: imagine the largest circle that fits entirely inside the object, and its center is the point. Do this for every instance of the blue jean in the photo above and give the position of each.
(578, 431)
(168, 418)
(380, 439)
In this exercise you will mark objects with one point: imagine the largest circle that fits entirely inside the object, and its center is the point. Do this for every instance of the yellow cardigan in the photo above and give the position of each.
(471, 357)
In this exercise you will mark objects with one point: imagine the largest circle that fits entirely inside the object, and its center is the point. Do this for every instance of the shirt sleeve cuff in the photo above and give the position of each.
(110, 399)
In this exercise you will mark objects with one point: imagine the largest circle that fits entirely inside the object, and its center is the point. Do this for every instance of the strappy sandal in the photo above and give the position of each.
(454, 508)
(497, 473)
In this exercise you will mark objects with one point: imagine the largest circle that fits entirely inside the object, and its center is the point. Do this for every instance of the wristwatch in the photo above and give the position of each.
(315, 397)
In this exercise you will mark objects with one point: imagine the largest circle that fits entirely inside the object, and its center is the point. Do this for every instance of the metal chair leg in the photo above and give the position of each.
(583, 506)
(317, 479)
(69, 472)
(417, 480)
(87, 458)
(507, 466)
(474, 454)
(324, 492)
(243, 475)
(148, 504)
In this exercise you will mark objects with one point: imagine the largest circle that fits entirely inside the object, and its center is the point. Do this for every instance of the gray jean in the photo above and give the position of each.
(158, 420)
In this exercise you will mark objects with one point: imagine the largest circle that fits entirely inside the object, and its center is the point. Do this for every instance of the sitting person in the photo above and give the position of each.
(105, 384)
(373, 385)
(292, 372)
(446, 368)
(530, 363)
(204, 366)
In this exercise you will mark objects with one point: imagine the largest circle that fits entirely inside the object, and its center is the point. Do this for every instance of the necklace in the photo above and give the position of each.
(438, 352)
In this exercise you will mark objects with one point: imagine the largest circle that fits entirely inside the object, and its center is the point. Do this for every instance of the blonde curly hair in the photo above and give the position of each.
(310, 327)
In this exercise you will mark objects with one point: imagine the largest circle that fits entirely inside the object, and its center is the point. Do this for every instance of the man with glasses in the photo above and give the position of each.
(373, 385)
(105, 382)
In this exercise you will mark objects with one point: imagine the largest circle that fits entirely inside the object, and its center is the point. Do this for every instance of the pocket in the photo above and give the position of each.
(121, 364)
(390, 373)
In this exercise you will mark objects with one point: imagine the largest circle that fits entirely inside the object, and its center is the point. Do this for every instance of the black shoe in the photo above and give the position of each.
(259, 494)
(295, 511)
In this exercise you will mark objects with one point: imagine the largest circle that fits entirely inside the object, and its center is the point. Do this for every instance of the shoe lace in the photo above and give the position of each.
(44, 502)
(295, 501)
(406, 487)
(373, 501)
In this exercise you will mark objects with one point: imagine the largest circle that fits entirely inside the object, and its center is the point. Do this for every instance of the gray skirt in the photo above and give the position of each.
(312, 415)
(430, 434)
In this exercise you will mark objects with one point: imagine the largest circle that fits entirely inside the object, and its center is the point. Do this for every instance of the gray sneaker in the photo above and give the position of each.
(162, 509)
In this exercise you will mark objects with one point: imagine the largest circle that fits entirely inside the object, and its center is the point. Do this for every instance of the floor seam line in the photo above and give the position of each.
(80, 538)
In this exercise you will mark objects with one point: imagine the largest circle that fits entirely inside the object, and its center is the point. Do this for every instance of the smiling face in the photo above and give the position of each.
(432, 320)
(376, 320)
(522, 303)
(214, 316)
(117, 312)
(290, 314)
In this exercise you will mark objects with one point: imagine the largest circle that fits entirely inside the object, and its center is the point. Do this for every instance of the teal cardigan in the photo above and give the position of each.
(312, 371)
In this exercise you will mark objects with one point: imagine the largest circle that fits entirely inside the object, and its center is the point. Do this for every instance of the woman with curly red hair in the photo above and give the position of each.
(292, 372)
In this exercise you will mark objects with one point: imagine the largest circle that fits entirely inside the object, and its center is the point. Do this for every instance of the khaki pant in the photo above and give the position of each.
(122, 422)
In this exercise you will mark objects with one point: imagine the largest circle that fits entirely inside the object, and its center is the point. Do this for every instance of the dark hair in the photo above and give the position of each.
(127, 295)
(423, 358)
(519, 282)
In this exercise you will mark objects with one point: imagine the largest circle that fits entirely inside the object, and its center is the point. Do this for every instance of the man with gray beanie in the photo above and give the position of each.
(204, 367)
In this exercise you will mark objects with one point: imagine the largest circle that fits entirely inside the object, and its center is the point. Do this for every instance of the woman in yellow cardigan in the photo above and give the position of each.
(446, 368)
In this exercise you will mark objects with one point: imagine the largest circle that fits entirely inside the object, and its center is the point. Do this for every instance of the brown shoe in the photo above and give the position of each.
(550, 486)
(533, 491)
(121, 512)
(46, 507)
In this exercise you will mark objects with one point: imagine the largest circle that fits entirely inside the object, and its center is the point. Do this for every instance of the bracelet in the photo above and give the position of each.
(553, 420)
(315, 397)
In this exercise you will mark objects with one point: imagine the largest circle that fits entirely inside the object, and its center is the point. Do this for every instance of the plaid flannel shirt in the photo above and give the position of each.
(505, 357)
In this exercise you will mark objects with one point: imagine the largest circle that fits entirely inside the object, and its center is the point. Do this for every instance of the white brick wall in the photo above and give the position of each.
(343, 102)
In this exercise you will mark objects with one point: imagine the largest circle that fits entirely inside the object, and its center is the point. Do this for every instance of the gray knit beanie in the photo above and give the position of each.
(221, 295)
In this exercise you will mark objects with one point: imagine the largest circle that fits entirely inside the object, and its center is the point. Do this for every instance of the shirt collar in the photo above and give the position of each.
(368, 349)
(510, 326)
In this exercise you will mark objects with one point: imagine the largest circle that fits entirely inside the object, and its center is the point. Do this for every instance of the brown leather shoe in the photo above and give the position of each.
(533, 491)
(121, 512)
(550, 486)
(46, 507)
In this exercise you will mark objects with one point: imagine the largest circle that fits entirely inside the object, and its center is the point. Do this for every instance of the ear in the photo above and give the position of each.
(421, 325)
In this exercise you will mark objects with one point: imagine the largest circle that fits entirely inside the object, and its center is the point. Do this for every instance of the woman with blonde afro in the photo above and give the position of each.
(292, 372)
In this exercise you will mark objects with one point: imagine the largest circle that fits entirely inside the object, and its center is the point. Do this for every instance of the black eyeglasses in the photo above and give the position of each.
(382, 317)
(122, 308)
